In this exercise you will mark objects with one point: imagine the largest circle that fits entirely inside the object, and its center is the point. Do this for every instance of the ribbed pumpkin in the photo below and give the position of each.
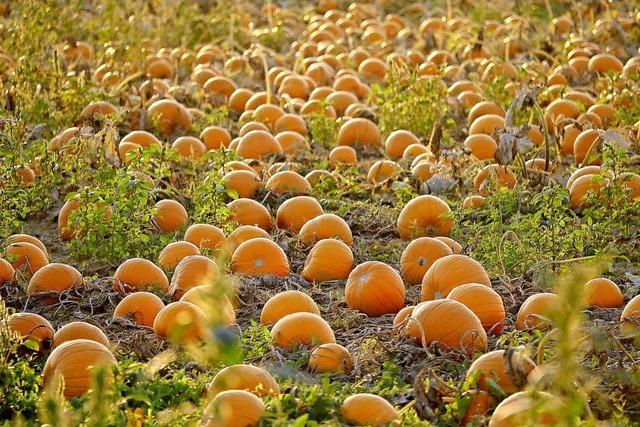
(630, 318)
(382, 170)
(402, 316)
(375, 288)
(398, 141)
(26, 257)
(74, 361)
(138, 274)
(325, 226)
(515, 410)
(301, 328)
(206, 236)
(329, 259)
(192, 271)
(259, 257)
(258, 144)
(285, 303)
(244, 182)
(583, 187)
(449, 323)
(418, 256)
(288, 182)
(425, 216)
(180, 322)
(253, 379)
(249, 212)
(495, 366)
(604, 293)
(141, 307)
(189, 147)
(170, 116)
(7, 272)
(484, 302)
(174, 252)
(481, 146)
(215, 137)
(534, 310)
(493, 176)
(366, 409)
(33, 327)
(54, 277)
(79, 330)
(214, 302)
(233, 408)
(170, 215)
(455, 246)
(296, 211)
(342, 155)
(330, 357)
(359, 132)
(26, 238)
(244, 233)
(450, 271)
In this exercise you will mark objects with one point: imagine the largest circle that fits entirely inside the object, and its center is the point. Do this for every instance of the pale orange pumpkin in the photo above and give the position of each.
(33, 327)
(494, 366)
(535, 309)
(493, 177)
(383, 170)
(330, 357)
(180, 322)
(342, 155)
(244, 182)
(215, 303)
(26, 257)
(192, 271)
(418, 256)
(329, 259)
(206, 236)
(174, 252)
(79, 330)
(170, 215)
(367, 409)
(142, 307)
(140, 274)
(189, 147)
(398, 141)
(484, 302)
(244, 233)
(253, 379)
(450, 271)
(259, 257)
(215, 137)
(249, 212)
(26, 238)
(604, 293)
(170, 115)
(375, 288)
(54, 277)
(481, 146)
(75, 361)
(233, 408)
(584, 187)
(7, 272)
(325, 226)
(66, 232)
(522, 408)
(288, 182)
(293, 213)
(425, 216)
(630, 318)
(258, 144)
(285, 303)
(301, 328)
(401, 318)
(455, 246)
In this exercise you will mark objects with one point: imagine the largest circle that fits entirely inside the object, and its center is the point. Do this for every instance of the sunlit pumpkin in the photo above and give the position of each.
(142, 307)
(484, 302)
(180, 322)
(33, 327)
(425, 216)
(367, 409)
(330, 357)
(492, 177)
(244, 233)
(359, 132)
(329, 259)
(418, 256)
(296, 211)
(54, 277)
(496, 366)
(258, 144)
(375, 288)
(233, 408)
(206, 236)
(604, 293)
(79, 330)
(533, 313)
(522, 408)
(288, 182)
(244, 182)
(450, 271)
(174, 252)
(249, 212)
(325, 226)
(170, 215)
(285, 303)
(26, 257)
(139, 274)
(253, 379)
(259, 257)
(630, 318)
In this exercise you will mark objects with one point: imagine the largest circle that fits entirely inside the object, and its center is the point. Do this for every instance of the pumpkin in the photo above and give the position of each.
(329, 259)
(170, 215)
(587, 170)
(359, 132)
(249, 212)
(26, 238)
(292, 143)
(630, 182)
(234, 408)
(140, 274)
(325, 226)
(142, 138)
(244, 182)
(296, 211)
(214, 302)
(180, 322)
(449, 323)
(423, 170)
(496, 366)
(604, 63)
(425, 216)
(375, 288)
(192, 271)
(482, 108)
(285, 303)
(342, 155)
(301, 328)
(79, 330)
(253, 379)
(481, 146)
(7, 272)
(33, 327)
(26, 257)
(258, 144)
(585, 186)
(189, 147)
(365, 409)
(54, 277)
(418, 256)
(74, 361)
(477, 404)
(97, 109)
(290, 123)
(630, 318)
(450, 271)
(487, 124)
(493, 177)
(603, 293)
(174, 252)
(588, 143)
(455, 246)
(259, 257)
(244, 233)
(66, 232)
(215, 137)
(170, 115)
(268, 114)
(330, 357)
(516, 410)
(401, 318)
(383, 170)
(141, 307)
(397, 142)
(206, 236)
(534, 309)
(484, 302)
(475, 201)
(238, 99)
(288, 182)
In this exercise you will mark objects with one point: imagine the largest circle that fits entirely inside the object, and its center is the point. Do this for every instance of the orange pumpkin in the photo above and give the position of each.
(206, 236)
(585, 186)
(79, 330)
(296, 211)
(449, 323)
(329, 259)
(74, 361)
(398, 141)
(557, 110)
(493, 366)
(180, 322)
(484, 302)
(288, 182)
(249, 212)
(604, 63)
(330, 357)
(174, 252)
(258, 144)
(7, 272)
(244, 182)
(603, 293)
(359, 132)
(418, 256)
(425, 216)
(375, 288)
(522, 408)
(54, 277)
(244, 233)
(533, 312)
(292, 143)
(259, 257)
(301, 329)
(494, 176)
(26, 238)
(455, 246)
(170, 215)
(189, 147)
(233, 408)
(481, 146)
(285, 303)
(343, 155)
(401, 318)
(66, 232)
(214, 302)
(630, 318)
(142, 307)
(140, 274)
(26, 257)
(383, 170)
(33, 327)
(367, 409)
(215, 137)
(253, 379)
(487, 124)
(192, 271)
(170, 116)
(450, 271)
(325, 226)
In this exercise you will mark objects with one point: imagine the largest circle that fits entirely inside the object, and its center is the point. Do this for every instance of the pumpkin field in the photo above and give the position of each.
(319, 213)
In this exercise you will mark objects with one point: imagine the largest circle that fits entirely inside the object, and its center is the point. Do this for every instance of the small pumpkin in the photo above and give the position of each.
(234, 408)
(329, 259)
(296, 211)
(259, 257)
(192, 271)
(170, 215)
(189, 147)
(74, 361)
(54, 277)
(330, 357)
(137, 274)
(497, 366)
(533, 312)
(630, 318)
(258, 144)
(288, 182)
(249, 212)
(365, 409)
(516, 410)
(455, 246)
(7, 272)
(206, 236)
(418, 256)
(33, 327)
(244, 233)
(484, 302)
(494, 176)
(359, 132)
(585, 186)
(325, 226)
(170, 115)
(481, 146)
(253, 379)
(604, 293)
(475, 201)
(425, 216)
(342, 155)
(244, 182)
(18, 238)
(301, 328)
(401, 318)
(79, 330)
(398, 141)
(142, 307)
(174, 252)
(375, 288)
(383, 170)
(26, 257)
(215, 137)
(285, 303)
(450, 271)
(180, 322)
